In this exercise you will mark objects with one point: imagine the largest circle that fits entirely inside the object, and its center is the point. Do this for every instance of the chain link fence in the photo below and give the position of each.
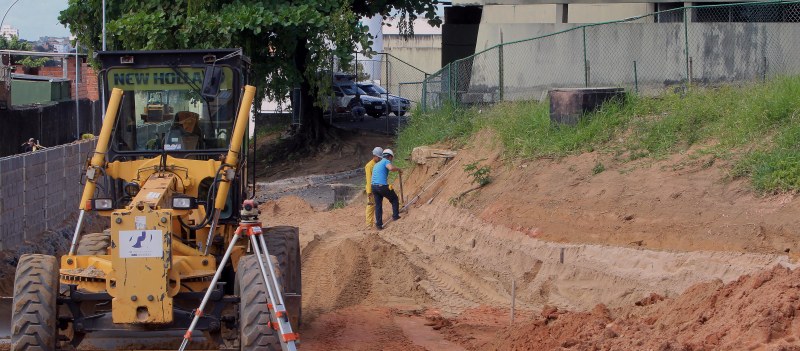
(396, 82)
(708, 45)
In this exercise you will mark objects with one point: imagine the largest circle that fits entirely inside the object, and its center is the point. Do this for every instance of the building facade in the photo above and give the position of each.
(8, 31)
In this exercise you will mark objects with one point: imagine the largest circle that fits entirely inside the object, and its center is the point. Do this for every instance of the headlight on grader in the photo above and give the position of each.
(102, 204)
(184, 203)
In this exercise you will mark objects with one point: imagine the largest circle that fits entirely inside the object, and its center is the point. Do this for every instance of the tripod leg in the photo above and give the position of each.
(270, 266)
(267, 281)
(278, 314)
(199, 311)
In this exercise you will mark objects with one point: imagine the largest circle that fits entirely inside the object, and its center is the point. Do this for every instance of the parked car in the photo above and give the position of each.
(375, 107)
(397, 104)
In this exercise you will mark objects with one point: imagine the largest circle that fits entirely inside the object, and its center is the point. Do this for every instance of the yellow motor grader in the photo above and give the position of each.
(170, 269)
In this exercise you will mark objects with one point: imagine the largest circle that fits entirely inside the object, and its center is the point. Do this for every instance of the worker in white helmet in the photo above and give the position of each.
(380, 187)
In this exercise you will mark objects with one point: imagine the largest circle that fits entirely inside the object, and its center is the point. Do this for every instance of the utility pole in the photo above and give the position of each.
(102, 81)
(77, 94)
(104, 25)
(4, 15)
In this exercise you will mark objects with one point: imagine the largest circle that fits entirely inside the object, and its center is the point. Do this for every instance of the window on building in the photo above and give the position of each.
(666, 12)
(748, 12)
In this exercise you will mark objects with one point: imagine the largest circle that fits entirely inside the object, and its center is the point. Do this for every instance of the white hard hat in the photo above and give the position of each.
(388, 152)
(377, 151)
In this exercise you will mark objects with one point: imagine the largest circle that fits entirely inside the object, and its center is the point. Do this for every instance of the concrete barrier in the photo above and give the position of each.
(39, 191)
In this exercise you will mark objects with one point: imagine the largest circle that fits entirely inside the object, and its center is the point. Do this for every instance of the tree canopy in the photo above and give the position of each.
(288, 41)
(14, 44)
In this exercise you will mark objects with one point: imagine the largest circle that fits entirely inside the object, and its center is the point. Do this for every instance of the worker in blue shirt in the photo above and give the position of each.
(380, 187)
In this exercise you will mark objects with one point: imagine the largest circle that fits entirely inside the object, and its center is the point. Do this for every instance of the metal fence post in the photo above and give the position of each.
(425, 93)
(500, 65)
(388, 90)
(585, 60)
(455, 82)
(334, 103)
(450, 81)
(686, 41)
(635, 78)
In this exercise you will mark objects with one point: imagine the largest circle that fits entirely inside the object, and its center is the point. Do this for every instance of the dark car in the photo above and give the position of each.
(397, 104)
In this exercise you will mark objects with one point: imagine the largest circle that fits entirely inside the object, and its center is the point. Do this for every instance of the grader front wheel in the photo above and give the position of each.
(253, 312)
(33, 319)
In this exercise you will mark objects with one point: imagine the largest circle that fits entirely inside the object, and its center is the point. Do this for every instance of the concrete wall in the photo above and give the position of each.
(39, 191)
(421, 51)
(417, 56)
(719, 52)
(548, 13)
(593, 13)
(554, 13)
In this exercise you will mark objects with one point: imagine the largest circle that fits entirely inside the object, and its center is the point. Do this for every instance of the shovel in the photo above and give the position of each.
(402, 198)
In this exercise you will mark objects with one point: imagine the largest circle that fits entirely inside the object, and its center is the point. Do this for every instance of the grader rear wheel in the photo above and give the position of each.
(95, 243)
(33, 319)
(253, 312)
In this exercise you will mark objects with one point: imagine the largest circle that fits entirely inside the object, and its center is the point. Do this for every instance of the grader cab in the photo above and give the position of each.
(170, 269)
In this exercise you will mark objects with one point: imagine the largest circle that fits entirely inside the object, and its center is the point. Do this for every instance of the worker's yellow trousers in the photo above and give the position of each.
(369, 214)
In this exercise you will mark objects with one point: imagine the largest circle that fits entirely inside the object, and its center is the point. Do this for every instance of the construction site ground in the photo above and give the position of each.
(666, 254)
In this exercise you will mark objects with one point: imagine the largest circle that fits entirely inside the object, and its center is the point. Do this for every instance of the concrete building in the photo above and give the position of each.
(423, 51)
(8, 31)
(646, 52)
(522, 19)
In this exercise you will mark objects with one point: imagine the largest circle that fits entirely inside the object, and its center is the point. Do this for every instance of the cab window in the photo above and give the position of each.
(162, 109)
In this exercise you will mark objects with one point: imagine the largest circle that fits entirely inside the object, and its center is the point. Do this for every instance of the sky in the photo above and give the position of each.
(35, 18)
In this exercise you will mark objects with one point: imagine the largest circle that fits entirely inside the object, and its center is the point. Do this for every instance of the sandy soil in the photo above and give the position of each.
(648, 255)
(665, 254)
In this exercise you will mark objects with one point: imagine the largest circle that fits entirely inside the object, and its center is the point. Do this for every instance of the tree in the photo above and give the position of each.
(359, 70)
(14, 44)
(290, 42)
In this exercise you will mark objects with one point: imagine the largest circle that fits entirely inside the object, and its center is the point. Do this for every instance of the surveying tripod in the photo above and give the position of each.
(279, 319)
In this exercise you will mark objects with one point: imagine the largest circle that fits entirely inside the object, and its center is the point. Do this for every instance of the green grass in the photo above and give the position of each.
(757, 125)
(449, 123)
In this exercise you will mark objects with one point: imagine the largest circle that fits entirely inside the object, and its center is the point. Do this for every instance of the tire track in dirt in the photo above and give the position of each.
(444, 259)
(469, 262)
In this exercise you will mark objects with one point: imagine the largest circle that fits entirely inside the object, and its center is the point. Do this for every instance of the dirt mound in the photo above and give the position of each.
(288, 205)
(685, 202)
(356, 270)
(753, 312)
(335, 275)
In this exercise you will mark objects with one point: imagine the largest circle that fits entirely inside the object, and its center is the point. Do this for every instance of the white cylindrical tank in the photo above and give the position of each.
(372, 64)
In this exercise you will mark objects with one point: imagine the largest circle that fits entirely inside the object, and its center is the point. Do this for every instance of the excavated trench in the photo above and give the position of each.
(448, 258)
(445, 259)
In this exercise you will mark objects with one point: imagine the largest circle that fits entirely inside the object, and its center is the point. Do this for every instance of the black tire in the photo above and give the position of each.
(375, 115)
(253, 312)
(33, 320)
(401, 113)
(283, 242)
(94, 243)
